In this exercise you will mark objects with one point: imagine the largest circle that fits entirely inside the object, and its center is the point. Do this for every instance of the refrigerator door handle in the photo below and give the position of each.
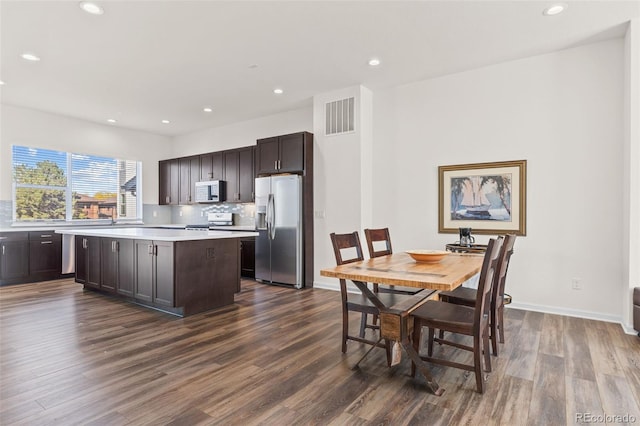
(271, 215)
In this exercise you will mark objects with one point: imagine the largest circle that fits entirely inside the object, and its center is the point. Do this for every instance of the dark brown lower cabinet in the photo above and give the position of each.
(14, 257)
(182, 277)
(29, 256)
(153, 266)
(117, 265)
(88, 260)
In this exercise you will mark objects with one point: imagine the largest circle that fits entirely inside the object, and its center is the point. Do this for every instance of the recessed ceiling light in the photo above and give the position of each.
(278, 91)
(374, 62)
(91, 8)
(30, 57)
(165, 122)
(112, 120)
(554, 9)
(207, 109)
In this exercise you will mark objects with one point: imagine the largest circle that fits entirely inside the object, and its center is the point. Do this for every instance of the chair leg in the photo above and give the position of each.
(485, 346)
(494, 333)
(501, 323)
(363, 324)
(345, 330)
(430, 344)
(477, 364)
(417, 328)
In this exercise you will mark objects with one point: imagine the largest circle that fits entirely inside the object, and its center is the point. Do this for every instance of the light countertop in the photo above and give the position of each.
(155, 234)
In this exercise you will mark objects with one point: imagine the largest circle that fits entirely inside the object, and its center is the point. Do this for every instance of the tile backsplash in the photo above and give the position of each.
(243, 214)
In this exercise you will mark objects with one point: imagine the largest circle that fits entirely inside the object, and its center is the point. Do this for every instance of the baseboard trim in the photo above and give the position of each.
(627, 328)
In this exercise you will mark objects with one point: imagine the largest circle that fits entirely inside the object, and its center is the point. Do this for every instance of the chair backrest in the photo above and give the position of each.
(377, 235)
(503, 265)
(485, 283)
(346, 241)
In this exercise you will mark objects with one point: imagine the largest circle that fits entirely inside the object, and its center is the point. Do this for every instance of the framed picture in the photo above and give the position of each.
(490, 198)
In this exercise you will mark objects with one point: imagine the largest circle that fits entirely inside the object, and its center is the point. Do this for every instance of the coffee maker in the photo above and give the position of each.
(465, 237)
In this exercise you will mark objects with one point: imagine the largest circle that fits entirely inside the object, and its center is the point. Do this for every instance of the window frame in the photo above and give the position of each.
(68, 191)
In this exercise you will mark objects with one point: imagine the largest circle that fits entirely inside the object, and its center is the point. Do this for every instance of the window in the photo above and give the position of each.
(54, 185)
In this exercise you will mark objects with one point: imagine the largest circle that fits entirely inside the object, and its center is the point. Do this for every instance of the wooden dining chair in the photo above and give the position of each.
(467, 296)
(460, 319)
(347, 249)
(382, 235)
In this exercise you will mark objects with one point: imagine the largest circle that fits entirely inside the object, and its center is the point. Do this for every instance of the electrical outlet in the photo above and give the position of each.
(576, 284)
(155, 213)
(180, 212)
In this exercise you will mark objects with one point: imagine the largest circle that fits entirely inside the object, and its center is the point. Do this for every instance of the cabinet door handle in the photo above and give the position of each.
(168, 199)
(279, 165)
(46, 242)
(84, 243)
(3, 249)
(45, 236)
(113, 246)
(150, 249)
(275, 165)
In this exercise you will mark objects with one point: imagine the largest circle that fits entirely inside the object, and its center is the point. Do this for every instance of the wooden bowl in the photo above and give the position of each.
(428, 256)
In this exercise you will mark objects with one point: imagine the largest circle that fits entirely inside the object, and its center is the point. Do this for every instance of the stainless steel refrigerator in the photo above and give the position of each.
(279, 245)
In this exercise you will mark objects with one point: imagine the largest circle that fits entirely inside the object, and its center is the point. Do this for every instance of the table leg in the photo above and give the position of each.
(404, 339)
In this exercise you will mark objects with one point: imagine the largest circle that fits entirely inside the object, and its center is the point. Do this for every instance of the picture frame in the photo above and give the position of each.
(489, 198)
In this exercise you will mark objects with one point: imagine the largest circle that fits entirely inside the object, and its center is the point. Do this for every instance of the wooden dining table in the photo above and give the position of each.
(400, 269)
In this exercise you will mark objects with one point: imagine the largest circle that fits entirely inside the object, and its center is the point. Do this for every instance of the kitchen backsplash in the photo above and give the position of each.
(6, 213)
(243, 214)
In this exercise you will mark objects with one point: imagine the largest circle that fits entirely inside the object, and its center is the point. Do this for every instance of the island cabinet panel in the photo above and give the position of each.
(207, 273)
(45, 254)
(88, 260)
(153, 272)
(163, 284)
(281, 154)
(211, 166)
(14, 257)
(143, 270)
(117, 265)
(125, 267)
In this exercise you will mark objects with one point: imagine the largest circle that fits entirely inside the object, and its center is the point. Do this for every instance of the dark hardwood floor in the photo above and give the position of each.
(74, 357)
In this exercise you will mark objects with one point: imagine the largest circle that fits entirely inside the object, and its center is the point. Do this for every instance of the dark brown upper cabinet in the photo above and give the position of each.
(239, 174)
(169, 182)
(281, 154)
(211, 166)
(189, 175)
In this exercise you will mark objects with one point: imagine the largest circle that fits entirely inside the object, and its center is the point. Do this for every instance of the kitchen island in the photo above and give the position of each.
(178, 271)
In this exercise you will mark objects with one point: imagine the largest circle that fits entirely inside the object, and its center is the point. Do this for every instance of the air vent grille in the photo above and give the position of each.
(340, 116)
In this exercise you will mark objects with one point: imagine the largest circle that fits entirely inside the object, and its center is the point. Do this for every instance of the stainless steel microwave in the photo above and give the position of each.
(212, 191)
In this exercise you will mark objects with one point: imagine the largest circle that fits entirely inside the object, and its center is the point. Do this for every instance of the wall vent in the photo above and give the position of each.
(340, 116)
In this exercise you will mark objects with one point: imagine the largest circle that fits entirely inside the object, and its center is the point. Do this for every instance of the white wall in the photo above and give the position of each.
(563, 113)
(631, 182)
(342, 182)
(244, 133)
(22, 126)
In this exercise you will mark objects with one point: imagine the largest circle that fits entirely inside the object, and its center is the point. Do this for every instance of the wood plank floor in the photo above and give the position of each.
(70, 356)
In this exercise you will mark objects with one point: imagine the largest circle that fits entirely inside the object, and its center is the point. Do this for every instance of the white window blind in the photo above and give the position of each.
(55, 185)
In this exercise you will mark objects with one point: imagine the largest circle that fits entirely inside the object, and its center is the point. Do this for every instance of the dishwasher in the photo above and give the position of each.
(68, 254)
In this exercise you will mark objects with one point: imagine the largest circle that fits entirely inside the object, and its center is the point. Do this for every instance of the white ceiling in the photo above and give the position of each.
(144, 61)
